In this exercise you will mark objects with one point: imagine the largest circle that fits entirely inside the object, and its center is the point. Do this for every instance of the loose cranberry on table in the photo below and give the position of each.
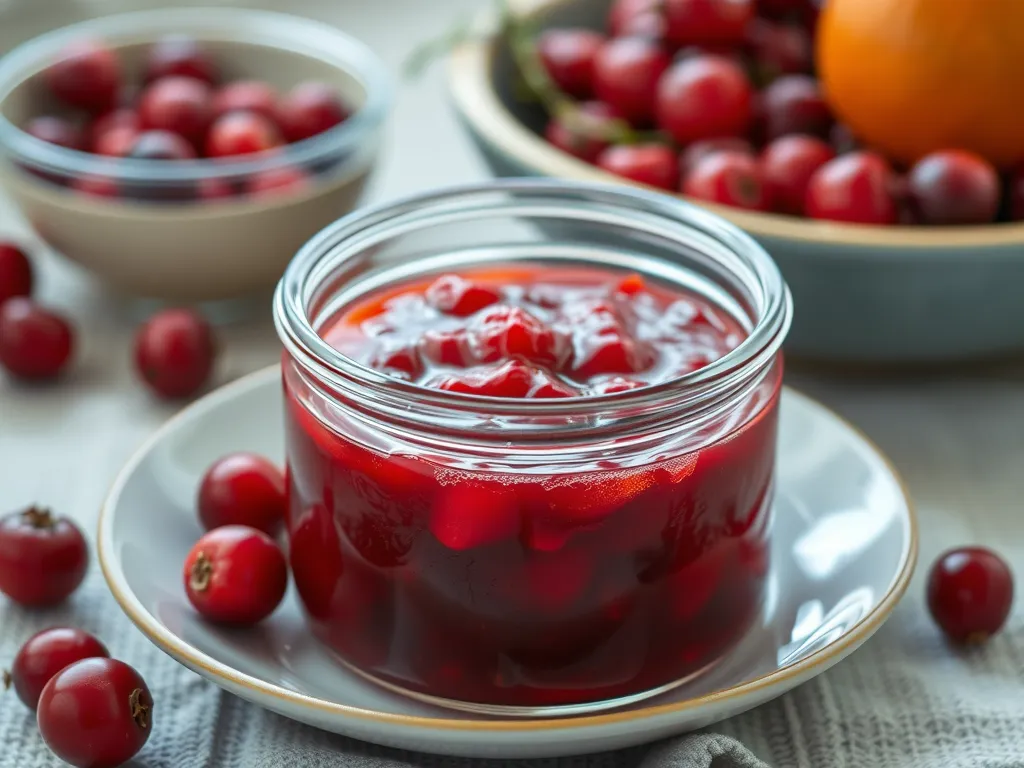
(568, 56)
(241, 133)
(580, 142)
(45, 654)
(626, 75)
(96, 713)
(705, 97)
(16, 276)
(697, 151)
(654, 164)
(855, 188)
(970, 593)
(35, 343)
(43, 558)
(787, 165)
(243, 489)
(86, 75)
(56, 130)
(795, 104)
(728, 178)
(277, 182)
(180, 56)
(181, 105)
(161, 145)
(309, 109)
(174, 352)
(953, 187)
(707, 21)
(235, 575)
(246, 96)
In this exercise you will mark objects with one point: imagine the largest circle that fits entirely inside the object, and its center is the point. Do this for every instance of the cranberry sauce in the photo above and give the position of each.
(475, 581)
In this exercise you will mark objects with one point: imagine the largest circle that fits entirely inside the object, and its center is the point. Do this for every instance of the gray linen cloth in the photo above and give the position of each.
(905, 699)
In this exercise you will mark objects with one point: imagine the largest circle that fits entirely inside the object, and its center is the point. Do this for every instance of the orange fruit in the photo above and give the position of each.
(913, 76)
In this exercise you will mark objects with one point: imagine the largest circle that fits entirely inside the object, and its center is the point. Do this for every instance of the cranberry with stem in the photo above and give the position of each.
(45, 654)
(695, 22)
(626, 75)
(243, 489)
(568, 56)
(787, 165)
(235, 575)
(856, 188)
(246, 96)
(953, 187)
(43, 558)
(174, 353)
(241, 133)
(705, 97)
(35, 343)
(656, 165)
(309, 109)
(96, 713)
(180, 56)
(970, 593)
(86, 75)
(181, 105)
(728, 178)
(580, 141)
(16, 276)
(56, 130)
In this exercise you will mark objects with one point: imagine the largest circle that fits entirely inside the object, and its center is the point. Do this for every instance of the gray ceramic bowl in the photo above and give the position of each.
(862, 294)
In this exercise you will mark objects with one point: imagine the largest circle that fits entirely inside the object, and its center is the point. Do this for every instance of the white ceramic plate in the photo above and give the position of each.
(844, 548)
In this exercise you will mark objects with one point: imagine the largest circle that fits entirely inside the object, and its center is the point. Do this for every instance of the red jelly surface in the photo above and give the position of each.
(468, 580)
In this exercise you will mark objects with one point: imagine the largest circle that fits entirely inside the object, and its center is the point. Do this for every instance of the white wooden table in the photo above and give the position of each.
(957, 438)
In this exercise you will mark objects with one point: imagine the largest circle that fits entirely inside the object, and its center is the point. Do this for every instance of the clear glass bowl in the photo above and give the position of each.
(634, 527)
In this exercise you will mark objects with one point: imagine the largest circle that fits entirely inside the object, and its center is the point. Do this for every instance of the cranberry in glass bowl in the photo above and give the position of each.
(530, 432)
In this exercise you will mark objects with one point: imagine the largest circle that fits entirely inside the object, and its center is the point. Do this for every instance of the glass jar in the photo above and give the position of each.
(608, 548)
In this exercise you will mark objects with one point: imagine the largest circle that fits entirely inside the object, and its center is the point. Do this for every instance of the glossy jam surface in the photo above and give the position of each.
(560, 333)
(467, 577)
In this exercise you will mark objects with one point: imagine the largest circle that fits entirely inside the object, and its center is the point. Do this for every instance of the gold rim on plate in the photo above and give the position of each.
(198, 661)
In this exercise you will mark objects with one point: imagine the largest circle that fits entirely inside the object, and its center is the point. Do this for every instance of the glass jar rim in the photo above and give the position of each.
(305, 36)
(314, 261)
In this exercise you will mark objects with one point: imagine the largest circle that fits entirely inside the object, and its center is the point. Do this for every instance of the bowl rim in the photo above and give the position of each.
(470, 70)
(269, 29)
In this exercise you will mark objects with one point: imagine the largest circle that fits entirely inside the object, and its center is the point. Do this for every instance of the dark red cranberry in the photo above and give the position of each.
(594, 115)
(795, 104)
(117, 142)
(96, 713)
(697, 151)
(96, 186)
(842, 139)
(781, 8)
(180, 56)
(855, 188)
(16, 276)
(243, 489)
(1014, 194)
(626, 75)
(309, 109)
(181, 105)
(86, 75)
(35, 343)
(235, 575)
(953, 187)
(787, 165)
(241, 133)
(624, 12)
(45, 654)
(654, 164)
(161, 145)
(43, 558)
(174, 353)
(779, 49)
(278, 182)
(56, 130)
(704, 98)
(568, 56)
(728, 178)
(970, 593)
(707, 21)
(246, 96)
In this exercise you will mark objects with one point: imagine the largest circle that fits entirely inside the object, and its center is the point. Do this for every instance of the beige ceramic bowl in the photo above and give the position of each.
(176, 248)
